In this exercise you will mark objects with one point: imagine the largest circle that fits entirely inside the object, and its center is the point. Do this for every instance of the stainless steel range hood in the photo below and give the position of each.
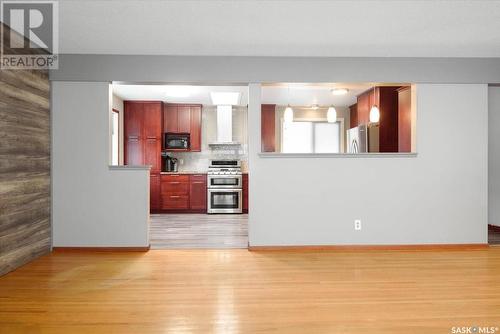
(224, 127)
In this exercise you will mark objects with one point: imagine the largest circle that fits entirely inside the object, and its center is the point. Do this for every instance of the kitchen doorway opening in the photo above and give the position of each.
(195, 138)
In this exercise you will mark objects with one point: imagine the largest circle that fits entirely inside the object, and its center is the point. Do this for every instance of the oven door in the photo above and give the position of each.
(225, 181)
(224, 201)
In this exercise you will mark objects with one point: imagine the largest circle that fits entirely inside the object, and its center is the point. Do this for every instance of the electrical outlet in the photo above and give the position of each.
(357, 224)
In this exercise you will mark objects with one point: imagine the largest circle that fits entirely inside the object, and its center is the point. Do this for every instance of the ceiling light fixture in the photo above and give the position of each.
(178, 91)
(288, 115)
(374, 111)
(225, 98)
(331, 115)
(340, 91)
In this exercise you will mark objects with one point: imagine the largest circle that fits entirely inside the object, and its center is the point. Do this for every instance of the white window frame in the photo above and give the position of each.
(317, 120)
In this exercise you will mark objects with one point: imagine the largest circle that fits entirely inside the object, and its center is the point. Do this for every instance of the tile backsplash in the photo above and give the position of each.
(198, 161)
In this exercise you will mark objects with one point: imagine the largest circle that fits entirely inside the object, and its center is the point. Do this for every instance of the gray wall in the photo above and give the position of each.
(494, 156)
(93, 205)
(227, 70)
(439, 196)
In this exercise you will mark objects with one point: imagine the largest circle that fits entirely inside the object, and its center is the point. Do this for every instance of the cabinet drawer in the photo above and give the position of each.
(173, 201)
(175, 187)
(175, 178)
(198, 177)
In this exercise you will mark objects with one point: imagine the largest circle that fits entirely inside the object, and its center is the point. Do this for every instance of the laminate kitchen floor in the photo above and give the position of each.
(177, 231)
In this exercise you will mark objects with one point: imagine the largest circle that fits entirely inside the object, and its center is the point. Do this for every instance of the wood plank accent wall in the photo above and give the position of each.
(25, 231)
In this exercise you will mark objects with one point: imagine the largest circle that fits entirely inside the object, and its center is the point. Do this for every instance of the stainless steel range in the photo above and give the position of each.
(225, 190)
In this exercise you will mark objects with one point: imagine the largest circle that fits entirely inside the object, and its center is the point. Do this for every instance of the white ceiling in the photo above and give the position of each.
(408, 28)
(195, 94)
(281, 94)
(309, 94)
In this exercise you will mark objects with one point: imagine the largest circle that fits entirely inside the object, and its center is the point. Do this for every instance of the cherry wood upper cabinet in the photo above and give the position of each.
(195, 128)
(170, 118)
(183, 119)
(142, 123)
(386, 98)
(267, 127)
(353, 119)
(363, 108)
(404, 119)
(152, 114)
(133, 123)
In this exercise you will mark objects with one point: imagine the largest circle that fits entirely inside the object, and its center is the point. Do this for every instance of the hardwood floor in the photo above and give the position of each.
(188, 231)
(236, 291)
(493, 235)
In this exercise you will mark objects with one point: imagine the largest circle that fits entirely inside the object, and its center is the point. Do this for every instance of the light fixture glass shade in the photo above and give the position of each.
(374, 114)
(331, 115)
(288, 114)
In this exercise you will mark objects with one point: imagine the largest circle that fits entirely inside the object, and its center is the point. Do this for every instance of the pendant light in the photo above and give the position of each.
(374, 111)
(331, 115)
(288, 116)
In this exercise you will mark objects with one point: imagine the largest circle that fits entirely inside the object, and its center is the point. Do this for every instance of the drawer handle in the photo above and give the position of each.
(198, 182)
(174, 196)
(174, 175)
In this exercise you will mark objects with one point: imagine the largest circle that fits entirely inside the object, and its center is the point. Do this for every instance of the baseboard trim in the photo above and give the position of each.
(422, 247)
(101, 249)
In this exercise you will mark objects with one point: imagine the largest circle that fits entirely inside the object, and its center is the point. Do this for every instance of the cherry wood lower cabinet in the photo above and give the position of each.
(154, 192)
(198, 192)
(174, 192)
(183, 192)
(245, 192)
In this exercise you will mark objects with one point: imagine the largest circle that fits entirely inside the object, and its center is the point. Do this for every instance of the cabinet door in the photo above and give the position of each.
(154, 192)
(404, 119)
(133, 134)
(363, 108)
(267, 127)
(353, 120)
(183, 119)
(170, 118)
(195, 131)
(198, 192)
(245, 192)
(152, 135)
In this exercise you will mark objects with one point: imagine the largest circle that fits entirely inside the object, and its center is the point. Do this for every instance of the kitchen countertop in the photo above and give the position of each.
(192, 172)
(185, 172)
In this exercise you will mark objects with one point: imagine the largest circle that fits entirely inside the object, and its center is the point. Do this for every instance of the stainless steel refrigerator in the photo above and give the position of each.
(363, 139)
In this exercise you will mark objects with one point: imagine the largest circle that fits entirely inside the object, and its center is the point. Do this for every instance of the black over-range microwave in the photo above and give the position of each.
(176, 141)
